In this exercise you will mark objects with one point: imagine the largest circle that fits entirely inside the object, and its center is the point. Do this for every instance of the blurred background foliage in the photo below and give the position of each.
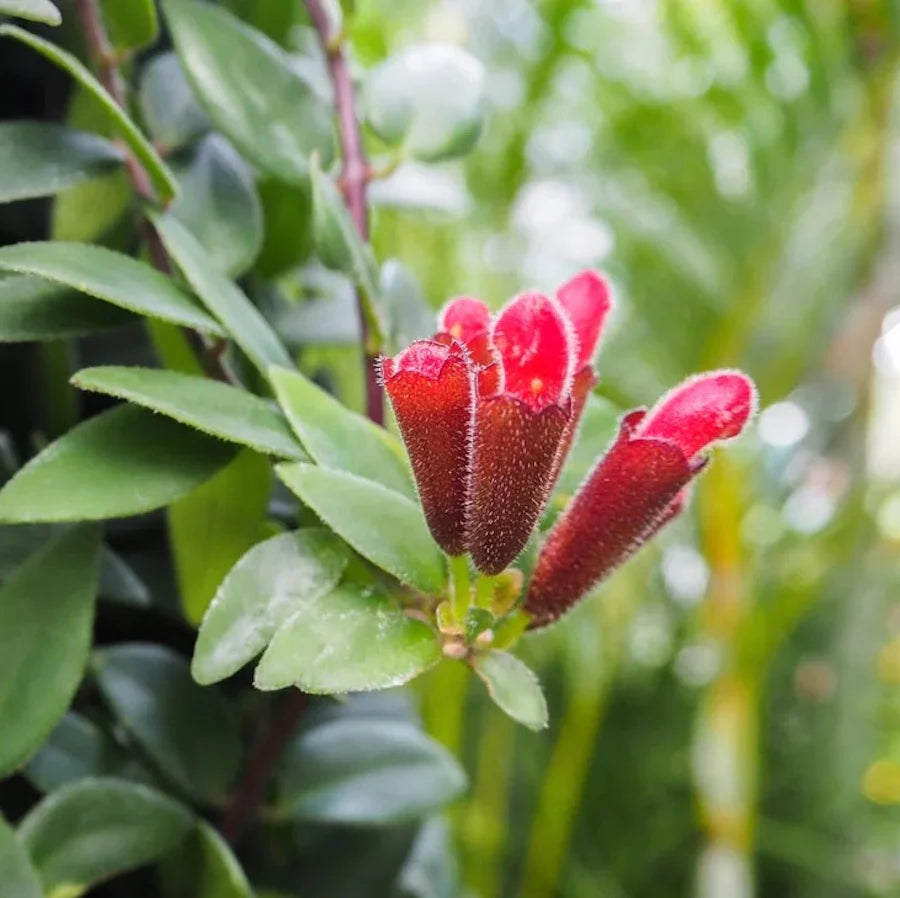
(725, 712)
(725, 719)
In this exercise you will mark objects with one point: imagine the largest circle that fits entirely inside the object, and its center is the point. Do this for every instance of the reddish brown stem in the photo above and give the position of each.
(106, 63)
(354, 178)
(266, 751)
(107, 67)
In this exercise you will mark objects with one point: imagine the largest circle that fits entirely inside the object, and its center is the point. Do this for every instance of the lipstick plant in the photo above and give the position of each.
(230, 510)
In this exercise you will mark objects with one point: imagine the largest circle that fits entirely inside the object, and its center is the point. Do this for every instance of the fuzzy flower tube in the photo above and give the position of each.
(488, 409)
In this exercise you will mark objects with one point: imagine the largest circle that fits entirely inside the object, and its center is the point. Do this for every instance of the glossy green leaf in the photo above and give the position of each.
(42, 158)
(430, 98)
(213, 526)
(34, 10)
(78, 748)
(34, 309)
(514, 687)
(337, 437)
(365, 771)
(168, 106)
(243, 321)
(383, 526)
(18, 876)
(260, 593)
(123, 462)
(111, 276)
(130, 24)
(44, 644)
(92, 829)
(161, 178)
(219, 205)
(189, 732)
(353, 639)
(277, 127)
(218, 409)
(204, 866)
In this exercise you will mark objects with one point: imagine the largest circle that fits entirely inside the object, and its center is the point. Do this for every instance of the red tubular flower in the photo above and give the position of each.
(488, 408)
(431, 390)
(519, 430)
(635, 488)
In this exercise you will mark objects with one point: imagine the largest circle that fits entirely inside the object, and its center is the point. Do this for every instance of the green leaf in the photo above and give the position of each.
(212, 527)
(337, 239)
(365, 771)
(514, 688)
(337, 437)
(276, 128)
(34, 309)
(430, 98)
(219, 205)
(203, 866)
(77, 748)
(243, 321)
(93, 829)
(117, 580)
(46, 612)
(35, 10)
(109, 276)
(382, 525)
(189, 732)
(287, 237)
(96, 211)
(353, 639)
(169, 108)
(260, 593)
(19, 878)
(130, 24)
(40, 159)
(216, 408)
(161, 178)
(431, 869)
(123, 462)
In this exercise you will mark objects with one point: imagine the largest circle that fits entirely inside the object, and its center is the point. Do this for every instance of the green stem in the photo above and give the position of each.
(484, 590)
(459, 578)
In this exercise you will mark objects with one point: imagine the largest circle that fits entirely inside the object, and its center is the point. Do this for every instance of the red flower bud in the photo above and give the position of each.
(518, 431)
(431, 389)
(635, 488)
(464, 318)
(586, 299)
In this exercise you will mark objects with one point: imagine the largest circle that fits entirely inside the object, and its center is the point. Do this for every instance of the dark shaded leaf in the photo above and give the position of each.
(190, 733)
(44, 644)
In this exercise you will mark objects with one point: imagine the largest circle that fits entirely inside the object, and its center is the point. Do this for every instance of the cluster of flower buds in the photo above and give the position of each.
(488, 409)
